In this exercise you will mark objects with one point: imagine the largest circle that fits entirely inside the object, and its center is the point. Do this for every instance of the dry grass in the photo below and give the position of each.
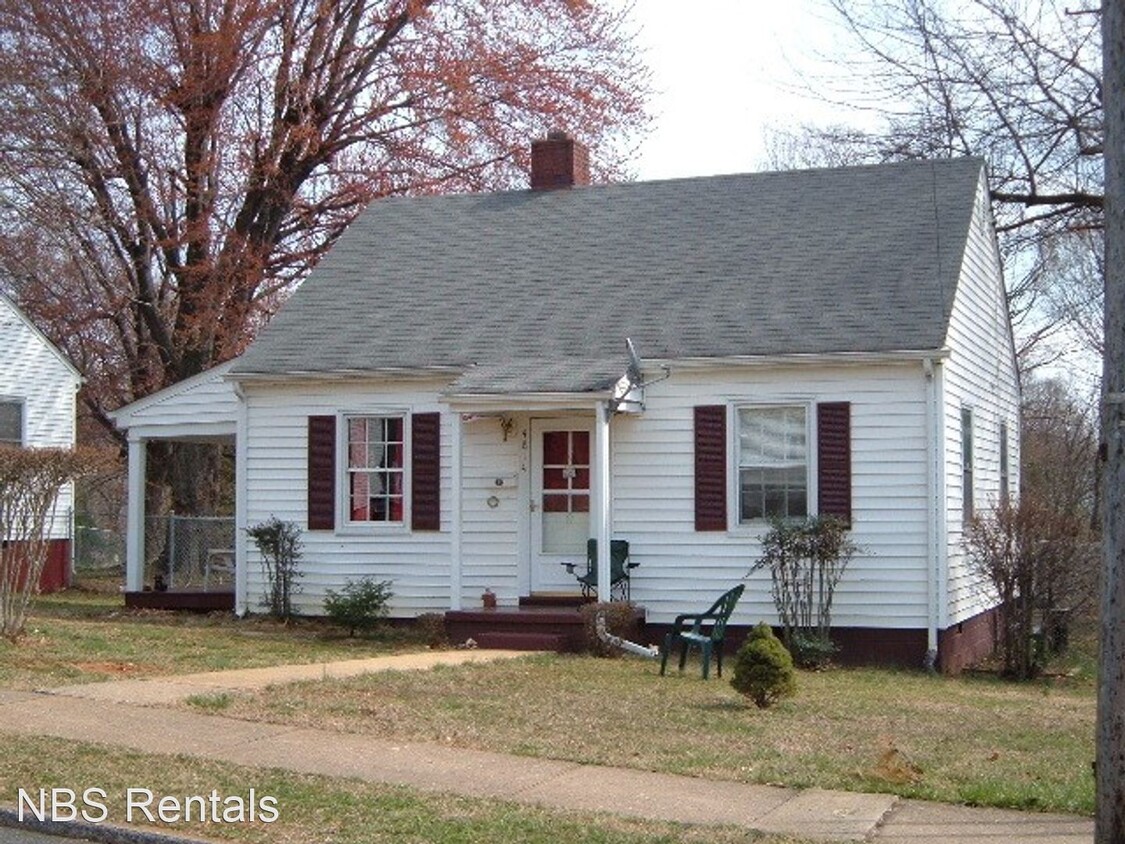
(320, 809)
(87, 635)
(976, 741)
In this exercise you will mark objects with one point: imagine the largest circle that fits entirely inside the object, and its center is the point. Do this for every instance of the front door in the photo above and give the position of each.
(560, 502)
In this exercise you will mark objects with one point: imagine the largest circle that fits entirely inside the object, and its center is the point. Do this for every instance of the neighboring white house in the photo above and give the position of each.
(38, 388)
(436, 405)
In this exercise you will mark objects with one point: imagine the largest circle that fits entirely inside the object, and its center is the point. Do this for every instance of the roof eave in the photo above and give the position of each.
(899, 356)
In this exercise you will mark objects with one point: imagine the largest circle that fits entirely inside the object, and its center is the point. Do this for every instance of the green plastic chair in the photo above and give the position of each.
(705, 630)
(619, 567)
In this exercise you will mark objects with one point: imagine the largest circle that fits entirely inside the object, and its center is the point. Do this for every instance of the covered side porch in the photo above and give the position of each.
(183, 561)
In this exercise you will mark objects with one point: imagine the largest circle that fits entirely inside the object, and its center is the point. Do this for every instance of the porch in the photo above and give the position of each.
(181, 561)
(538, 623)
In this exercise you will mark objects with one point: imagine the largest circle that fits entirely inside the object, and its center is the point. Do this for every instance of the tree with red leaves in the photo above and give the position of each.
(169, 169)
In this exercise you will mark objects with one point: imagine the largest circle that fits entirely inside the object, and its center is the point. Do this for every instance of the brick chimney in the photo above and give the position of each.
(558, 161)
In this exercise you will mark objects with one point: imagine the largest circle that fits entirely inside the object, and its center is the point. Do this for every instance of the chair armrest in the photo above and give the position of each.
(568, 565)
(697, 620)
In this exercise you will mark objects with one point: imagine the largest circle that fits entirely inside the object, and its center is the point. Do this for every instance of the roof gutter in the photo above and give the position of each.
(818, 359)
(390, 372)
(526, 401)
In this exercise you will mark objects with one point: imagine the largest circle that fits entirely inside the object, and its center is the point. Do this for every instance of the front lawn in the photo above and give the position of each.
(85, 635)
(969, 740)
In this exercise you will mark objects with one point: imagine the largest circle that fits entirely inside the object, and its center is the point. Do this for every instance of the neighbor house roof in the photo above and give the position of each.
(528, 291)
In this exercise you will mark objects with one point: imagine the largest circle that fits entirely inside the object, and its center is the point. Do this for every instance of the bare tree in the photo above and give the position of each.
(1058, 450)
(1110, 814)
(1015, 81)
(170, 168)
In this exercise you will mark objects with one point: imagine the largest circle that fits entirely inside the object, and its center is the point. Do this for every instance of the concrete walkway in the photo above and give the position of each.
(128, 714)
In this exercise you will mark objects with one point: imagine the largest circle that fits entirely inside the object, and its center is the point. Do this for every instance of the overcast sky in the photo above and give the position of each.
(723, 71)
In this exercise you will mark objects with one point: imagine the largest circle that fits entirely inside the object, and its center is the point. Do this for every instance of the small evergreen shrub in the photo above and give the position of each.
(620, 620)
(763, 669)
(361, 606)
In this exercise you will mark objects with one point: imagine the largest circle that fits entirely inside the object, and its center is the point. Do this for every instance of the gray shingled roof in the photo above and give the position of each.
(531, 291)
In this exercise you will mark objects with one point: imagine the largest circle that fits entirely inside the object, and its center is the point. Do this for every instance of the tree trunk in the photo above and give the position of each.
(1111, 692)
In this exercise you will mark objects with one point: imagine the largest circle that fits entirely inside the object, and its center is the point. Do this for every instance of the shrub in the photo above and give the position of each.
(279, 543)
(763, 669)
(431, 627)
(361, 606)
(620, 620)
(1041, 564)
(30, 480)
(806, 561)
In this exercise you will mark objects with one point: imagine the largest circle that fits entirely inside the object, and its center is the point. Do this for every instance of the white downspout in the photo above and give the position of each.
(455, 514)
(601, 476)
(935, 532)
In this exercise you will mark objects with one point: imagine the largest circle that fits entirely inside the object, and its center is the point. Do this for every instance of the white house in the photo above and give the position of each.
(38, 388)
(436, 405)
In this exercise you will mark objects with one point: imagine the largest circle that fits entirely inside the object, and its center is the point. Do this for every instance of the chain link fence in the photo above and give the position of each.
(189, 553)
(98, 549)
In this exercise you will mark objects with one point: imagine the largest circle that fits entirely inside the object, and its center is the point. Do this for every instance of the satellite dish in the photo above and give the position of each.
(634, 370)
(628, 392)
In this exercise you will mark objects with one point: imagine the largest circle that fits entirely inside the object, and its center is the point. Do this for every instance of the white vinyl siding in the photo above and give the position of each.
(980, 373)
(203, 405)
(276, 455)
(34, 374)
(679, 567)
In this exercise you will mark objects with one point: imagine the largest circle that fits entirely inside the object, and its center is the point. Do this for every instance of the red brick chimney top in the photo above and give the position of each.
(558, 161)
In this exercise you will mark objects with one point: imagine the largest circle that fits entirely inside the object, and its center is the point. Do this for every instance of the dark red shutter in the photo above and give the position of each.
(425, 475)
(711, 467)
(834, 459)
(322, 472)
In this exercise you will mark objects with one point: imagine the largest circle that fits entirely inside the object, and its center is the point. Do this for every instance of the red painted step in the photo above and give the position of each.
(520, 641)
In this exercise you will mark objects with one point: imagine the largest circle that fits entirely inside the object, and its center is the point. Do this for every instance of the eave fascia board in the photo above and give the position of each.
(905, 356)
(382, 373)
(493, 402)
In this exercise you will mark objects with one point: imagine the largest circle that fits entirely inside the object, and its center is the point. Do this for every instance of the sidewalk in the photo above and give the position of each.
(127, 714)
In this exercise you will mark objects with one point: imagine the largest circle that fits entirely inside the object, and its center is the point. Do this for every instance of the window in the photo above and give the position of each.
(1004, 479)
(966, 464)
(773, 463)
(11, 422)
(375, 476)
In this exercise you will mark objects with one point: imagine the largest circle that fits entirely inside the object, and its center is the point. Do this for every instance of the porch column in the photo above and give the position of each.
(135, 516)
(241, 482)
(602, 498)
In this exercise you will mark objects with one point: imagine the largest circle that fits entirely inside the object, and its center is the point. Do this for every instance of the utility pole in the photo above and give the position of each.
(1110, 817)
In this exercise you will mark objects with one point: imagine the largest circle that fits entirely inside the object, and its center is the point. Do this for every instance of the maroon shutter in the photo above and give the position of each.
(425, 475)
(322, 472)
(711, 467)
(834, 459)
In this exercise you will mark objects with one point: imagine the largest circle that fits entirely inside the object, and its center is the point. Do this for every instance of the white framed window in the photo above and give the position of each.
(773, 462)
(374, 468)
(11, 422)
